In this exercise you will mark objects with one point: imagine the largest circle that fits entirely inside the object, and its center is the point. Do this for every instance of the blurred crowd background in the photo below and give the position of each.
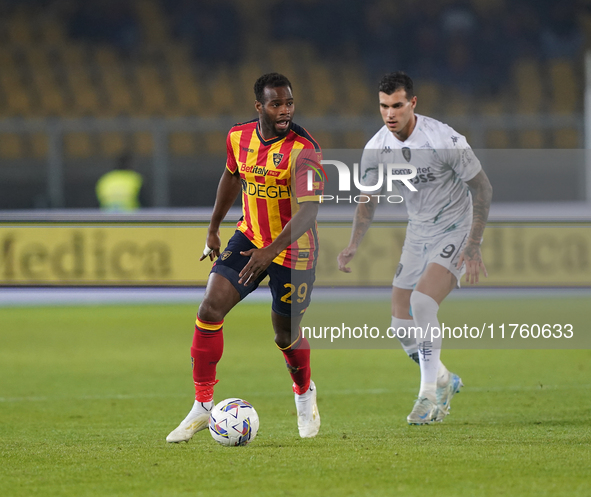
(507, 73)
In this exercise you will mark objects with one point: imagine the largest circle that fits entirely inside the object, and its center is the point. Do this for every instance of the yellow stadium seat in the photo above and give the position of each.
(281, 59)
(215, 142)
(354, 139)
(7, 58)
(112, 144)
(19, 103)
(78, 145)
(567, 138)
(143, 144)
(74, 56)
(493, 107)
(457, 103)
(358, 98)
(52, 102)
(322, 90)
(17, 97)
(50, 96)
(106, 57)
(301, 90)
(532, 138)
(528, 81)
(188, 93)
(11, 146)
(119, 94)
(83, 93)
(428, 98)
(39, 145)
(43, 79)
(248, 73)
(38, 58)
(325, 139)
(176, 55)
(154, 98)
(116, 85)
(183, 144)
(565, 89)
(497, 138)
(222, 92)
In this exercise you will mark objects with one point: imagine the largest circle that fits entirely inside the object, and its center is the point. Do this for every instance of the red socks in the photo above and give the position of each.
(207, 349)
(297, 359)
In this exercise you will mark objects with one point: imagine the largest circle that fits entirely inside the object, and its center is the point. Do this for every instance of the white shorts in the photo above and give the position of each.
(443, 249)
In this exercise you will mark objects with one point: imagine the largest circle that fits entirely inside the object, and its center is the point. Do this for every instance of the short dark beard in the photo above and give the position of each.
(265, 118)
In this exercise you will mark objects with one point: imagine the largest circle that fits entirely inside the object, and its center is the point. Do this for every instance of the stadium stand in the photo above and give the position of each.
(157, 58)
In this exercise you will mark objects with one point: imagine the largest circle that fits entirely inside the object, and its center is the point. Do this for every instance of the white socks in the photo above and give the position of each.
(407, 339)
(199, 408)
(424, 310)
(409, 344)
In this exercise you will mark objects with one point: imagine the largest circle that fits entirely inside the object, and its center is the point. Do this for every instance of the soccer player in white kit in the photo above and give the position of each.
(443, 236)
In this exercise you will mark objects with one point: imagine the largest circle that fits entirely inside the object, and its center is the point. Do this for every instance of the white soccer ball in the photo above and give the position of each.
(233, 422)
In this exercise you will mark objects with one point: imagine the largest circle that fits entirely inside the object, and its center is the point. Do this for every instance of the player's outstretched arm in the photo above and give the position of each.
(260, 259)
(361, 222)
(481, 199)
(228, 190)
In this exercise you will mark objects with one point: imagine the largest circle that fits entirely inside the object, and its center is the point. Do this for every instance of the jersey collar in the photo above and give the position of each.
(417, 116)
(271, 140)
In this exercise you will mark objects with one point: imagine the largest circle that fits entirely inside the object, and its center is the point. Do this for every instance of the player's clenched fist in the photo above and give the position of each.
(344, 258)
(212, 246)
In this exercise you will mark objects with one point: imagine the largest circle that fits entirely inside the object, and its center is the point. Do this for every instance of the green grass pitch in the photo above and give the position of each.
(88, 395)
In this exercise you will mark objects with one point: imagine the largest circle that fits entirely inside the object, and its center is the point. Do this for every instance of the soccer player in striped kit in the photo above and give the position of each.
(268, 159)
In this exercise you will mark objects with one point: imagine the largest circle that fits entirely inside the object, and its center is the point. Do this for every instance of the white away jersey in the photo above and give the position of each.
(444, 162)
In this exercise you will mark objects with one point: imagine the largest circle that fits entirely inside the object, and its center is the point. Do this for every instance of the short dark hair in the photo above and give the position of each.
(271, 80)
(395, 81)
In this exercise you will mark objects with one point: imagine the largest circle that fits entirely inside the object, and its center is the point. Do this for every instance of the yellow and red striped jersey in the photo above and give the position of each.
(275, 179)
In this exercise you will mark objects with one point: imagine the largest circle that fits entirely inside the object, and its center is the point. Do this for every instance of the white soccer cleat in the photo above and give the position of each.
(424, 412)
(445, 394)
(196, 420)
(308, 415)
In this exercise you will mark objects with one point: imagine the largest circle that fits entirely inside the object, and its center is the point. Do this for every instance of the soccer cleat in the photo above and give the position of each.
(196, 420)
(445, 394)
(308, 415)
(424, 412)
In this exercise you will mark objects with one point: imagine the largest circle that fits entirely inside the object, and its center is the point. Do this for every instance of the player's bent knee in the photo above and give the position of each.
(209, 313)
(283, 339)
(423, 305)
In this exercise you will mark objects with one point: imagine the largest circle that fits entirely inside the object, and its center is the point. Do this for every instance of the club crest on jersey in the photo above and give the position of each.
(277, 159)
(406, 153)
(225, 255)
